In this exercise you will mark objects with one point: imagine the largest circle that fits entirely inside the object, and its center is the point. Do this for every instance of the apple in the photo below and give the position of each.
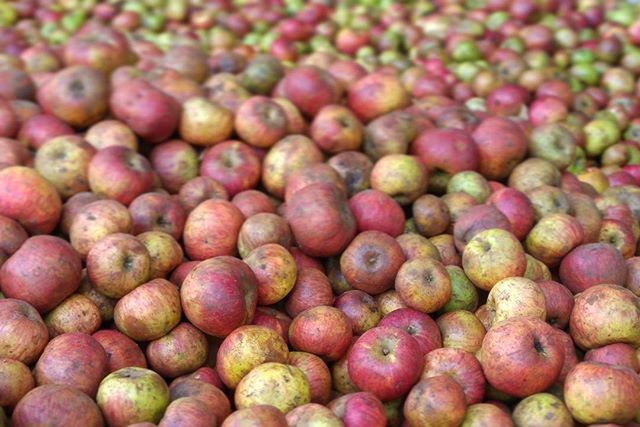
(579, 275)
(414, 245)
(219, 295)
(417, 324)
(106, 133)
(591, 327)
(336, 129)
(521, 356)
(251, 202)
(204, 123)
(584, 209)
(19, 319)
(320, 220)
(400, 176)
(620, 235)
(315, 173)
(423, 284)
(217, 402)
(476, 219)
(619, 354)
(149, 311)
(132, 395)
(175, 162)
(120, 173)
(157, 212)
(376, 94)
(38, 208)
(385, 361)
(233, 164)
(260, 122)
(542, 408)
(461, 329)
(558, 302)
(187, 410)
(96, 220)
(77, 95)
(311, 289)
(37, 130)
(310, 88)
(72, 206)
(619, 404)
(150, 113)
(437, 400)
(431, 215)
(15, 381)
(632, 281)
(311, 414)
(261, 229)
(487, 414)
(256, 416)
(445, 245)
(56, 404)
(516, 207)
(359, 409)
(375, 210)
(273, 319)
(181, 351)
(77, 313)
(462, 366)
(317, 373)
(355, 169)
(361, 309)
(391, 133)
(206, 374)
(122, 351)
(493, 255)
(283, 386)
(14, 153)
(199, 243)
(322, 330)
(199, 189)
(73, 359)
(291, 153)
(244, 349)
(464, 295)
(553, 142)
(516, 297)
(497, 157)
(371, 261)
(21, 276)
(534, 172)
(458, 202)
(553, 237)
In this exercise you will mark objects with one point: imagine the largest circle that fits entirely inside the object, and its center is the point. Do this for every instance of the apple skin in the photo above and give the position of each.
(515, 297)
(198, 229)
(586, 212)
(77, 313)
(335, 129)
(106, 133)
(591, 327)
(375, 210)
(72, 206)
(15, 381)
(73, 359)
(534, 172)
(520, 342)
(59, 405)
(313, 414)
(233, 164)
(312, 289)
(439, 400)
(39, 206)
(476, 219)
(516, 207)
(558, 302)
(542, 408)
(120, 173)
(504, 258)
(359, 409)
(375, 95)
(578, 275)
(204, 122)
(78, 95)
(64, 162)
(315, 173)
(400, 176)
(371, 261)
(215, 399)
(553, 237)
(187, 411)
(361, 309)
(157, 212)
(462, 366)
(324, 331)
(21, 276)
(199, 189)
(218, 310)
(256, 416)
(149, 311)
(461, 329)
(632, 281)
(320, 219)
(316, 371)
(97, 220)
(498, 156)
(417, 324)
(283, 386)
(423, 284)
(18, 319)
(175, 162)
(431, 215)
(260, 122)
(310, 88)
(355, 169)
(391, 133)
(487, 415)
(619, 235)
(251, 202)
(14, 153)
(37, 130)
(619, 354)
(273, 319)
(414, 245)
(386, 377)
(261, 229)
(181, 351)
(122, 351)
(149, 112)
(244, 349)
(132, 395)
(619, 404)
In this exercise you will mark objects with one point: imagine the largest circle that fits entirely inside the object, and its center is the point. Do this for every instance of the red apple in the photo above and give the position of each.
(324, 331)
(419, 325)
(359, 409)
(233, 164)
(375, 210)
(462, 366)
(122, 351)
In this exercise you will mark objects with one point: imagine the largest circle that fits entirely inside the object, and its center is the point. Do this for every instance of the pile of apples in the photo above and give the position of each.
(327, 213)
